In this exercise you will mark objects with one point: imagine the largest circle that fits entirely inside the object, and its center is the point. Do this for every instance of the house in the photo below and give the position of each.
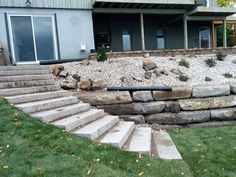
(48, 31)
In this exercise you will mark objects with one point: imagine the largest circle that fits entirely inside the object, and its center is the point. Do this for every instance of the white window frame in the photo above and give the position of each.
(34, 41)
(209, 36)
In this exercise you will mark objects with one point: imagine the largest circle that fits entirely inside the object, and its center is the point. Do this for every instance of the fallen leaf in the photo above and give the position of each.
(5, 167)
(141, 173)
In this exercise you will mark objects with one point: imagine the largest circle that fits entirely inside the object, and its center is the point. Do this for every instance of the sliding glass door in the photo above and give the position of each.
(33, 38)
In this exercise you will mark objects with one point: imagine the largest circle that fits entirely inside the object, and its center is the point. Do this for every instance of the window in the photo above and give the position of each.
(32, 38)
(126, 41)
(160, 40)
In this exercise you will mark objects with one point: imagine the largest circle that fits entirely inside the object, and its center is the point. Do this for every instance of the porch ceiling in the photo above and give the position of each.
(145, 4)
(212, 11)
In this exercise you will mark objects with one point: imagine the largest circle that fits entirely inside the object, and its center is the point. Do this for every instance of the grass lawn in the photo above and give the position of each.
(31, 148)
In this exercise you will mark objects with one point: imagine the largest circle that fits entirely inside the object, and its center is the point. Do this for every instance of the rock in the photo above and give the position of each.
(157, 73)
(56, 69)
(142, 96)
(85, 62)
(223, 114)
(173, 107)
(76, 77)
(98, 85)
(138, 119)
(175, 94)
(105, 98)
(146, 55)
(212, 124)
(137, 78)
(233, 88)
(178, 119)
(176, 72)
(208, 103)
(164, 72)
(149, 65)
(209, 91)
(134, 108)
(63, 73)
(148, 75)
(234, 61)
(69, 84)
(85, 85)
(122, 79)
(208, 79)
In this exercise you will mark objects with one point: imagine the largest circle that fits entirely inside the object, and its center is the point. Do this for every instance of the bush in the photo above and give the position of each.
(211, 62)
(220, 56)
(228, 75)
(101, 54)
(184, 63)
(183, 78)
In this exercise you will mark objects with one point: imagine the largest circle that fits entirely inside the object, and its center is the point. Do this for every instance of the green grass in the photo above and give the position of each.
(29, 148)
(209, 152)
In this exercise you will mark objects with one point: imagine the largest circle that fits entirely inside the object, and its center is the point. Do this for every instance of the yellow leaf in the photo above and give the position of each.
(89, 172)
(97, 160)
(8, 146)
(141, 173)
(5, 167)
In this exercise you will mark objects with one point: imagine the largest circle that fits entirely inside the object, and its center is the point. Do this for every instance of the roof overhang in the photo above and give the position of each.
(212, 11)
(145, 4)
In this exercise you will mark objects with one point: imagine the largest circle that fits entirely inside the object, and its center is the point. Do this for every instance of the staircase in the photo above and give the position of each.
(32, 89)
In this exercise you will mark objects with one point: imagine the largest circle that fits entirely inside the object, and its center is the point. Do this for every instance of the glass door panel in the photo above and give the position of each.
(22, 36)
(204, 37)
(126, 39)
(44, 38)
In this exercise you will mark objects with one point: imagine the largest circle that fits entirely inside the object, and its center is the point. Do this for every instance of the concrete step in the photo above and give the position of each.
(75, 121)
(28, 90)
(24, 72)
(23, 84)
(141, 140)
(61, 112)
(36, 97)
(47, 104)
(98, 127)
(25, 78)
(166, 148)
(118, 136)
(24, 67)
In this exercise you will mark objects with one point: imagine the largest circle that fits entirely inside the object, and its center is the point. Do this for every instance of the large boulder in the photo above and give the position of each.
(175, 94)
(138, 119)
(142, 96)
(178, 119)
(149, 64)
(233, 88)
(56, 69)
(209, 91)
(98, 84)
(69, 84)
(223, 114)
(135, 108)
(105, 98)
(208, 103)
(172, 106)
(85, 85)
(64, 73)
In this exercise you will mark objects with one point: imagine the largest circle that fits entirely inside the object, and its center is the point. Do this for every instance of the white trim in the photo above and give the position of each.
(9, 15)
(209, 36)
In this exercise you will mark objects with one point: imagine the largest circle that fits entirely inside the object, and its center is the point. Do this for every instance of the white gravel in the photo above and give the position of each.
(113, 70)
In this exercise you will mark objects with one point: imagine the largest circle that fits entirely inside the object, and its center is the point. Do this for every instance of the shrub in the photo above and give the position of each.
(211, 62)
(101, 54)
(228, 75)
(208, 79)
(220, 56)
(184, 63)
(183, 78)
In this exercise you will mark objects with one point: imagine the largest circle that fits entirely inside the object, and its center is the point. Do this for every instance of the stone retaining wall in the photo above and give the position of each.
(2, 63)
(172, 52)
(182, 106)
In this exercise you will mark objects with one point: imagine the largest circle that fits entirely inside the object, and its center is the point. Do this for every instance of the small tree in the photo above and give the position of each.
(101, 54)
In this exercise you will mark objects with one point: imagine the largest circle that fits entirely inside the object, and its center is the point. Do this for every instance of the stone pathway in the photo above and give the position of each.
(32, 89)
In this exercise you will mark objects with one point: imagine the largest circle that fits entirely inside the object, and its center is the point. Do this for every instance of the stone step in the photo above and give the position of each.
(61, 112)
(28, 90)
(25, 78)
(47, 104)
(77, 120)
(118, 136)
(23, 84)
(24, 72)
(166, 148)
(98, 127)
(141, 140)
(24, 67)
(36, 97)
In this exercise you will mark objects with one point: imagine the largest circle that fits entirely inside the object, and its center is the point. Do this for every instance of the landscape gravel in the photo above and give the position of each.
(123, 71)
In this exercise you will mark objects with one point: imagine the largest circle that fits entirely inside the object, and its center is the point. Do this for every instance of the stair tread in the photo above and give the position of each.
(72, 122)
(141, 140)
(166, 148)
(96, 128)
(25, 77)
(119, 134)
(23, 67)
(24, 72)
